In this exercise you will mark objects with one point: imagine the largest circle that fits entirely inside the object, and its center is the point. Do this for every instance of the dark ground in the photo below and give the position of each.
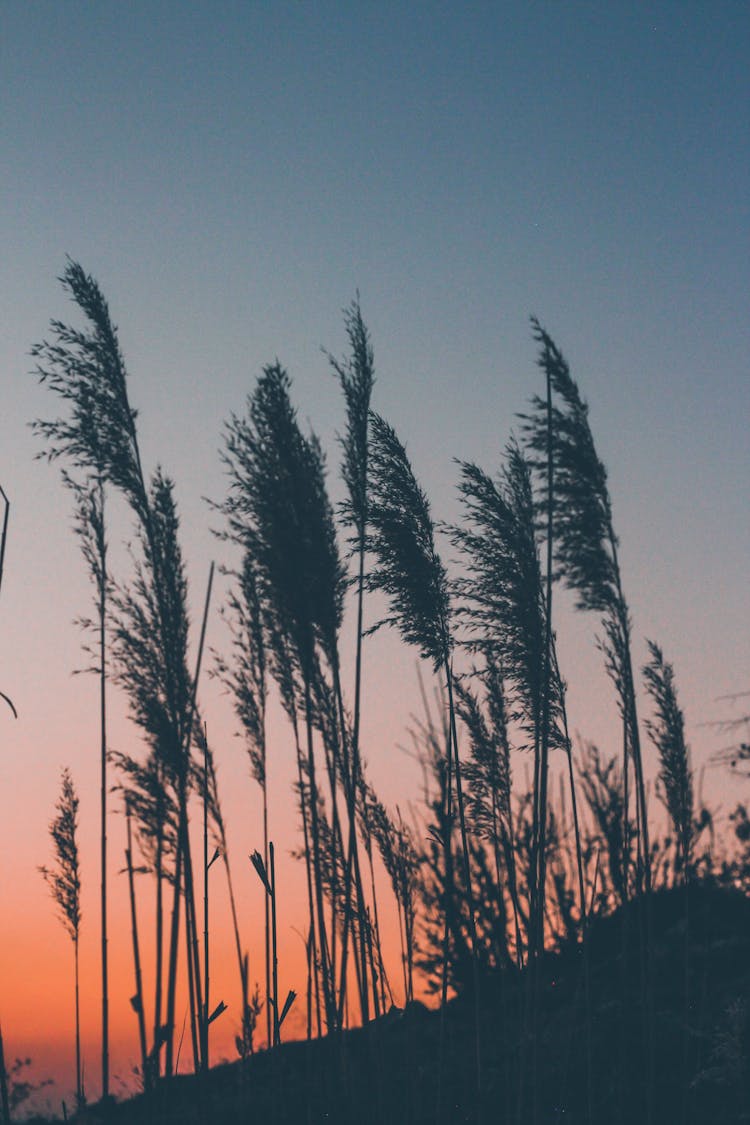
(667, 1053)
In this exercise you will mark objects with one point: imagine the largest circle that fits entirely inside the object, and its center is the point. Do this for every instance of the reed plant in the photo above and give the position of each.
(64, 882)
(3, 539)
(586, 552)
(505, 612)
(245, 677)
(667, 732)
(137, 1000)
(488, 773)
(278, 509)
(356, 375)
(409, 571)
(97, 438)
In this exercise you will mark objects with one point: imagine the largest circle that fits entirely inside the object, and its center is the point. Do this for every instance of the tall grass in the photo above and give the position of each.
(64, 882)
(3, 539)
(356, 374)
(137, 1000)
(278, 508)
(97, 437)
(245, 677)
(502, 876)
(505, 612)
(667, 732)
(410, 572)
(586, 552)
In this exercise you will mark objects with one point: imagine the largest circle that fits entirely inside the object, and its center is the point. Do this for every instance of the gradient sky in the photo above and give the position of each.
(231, 173)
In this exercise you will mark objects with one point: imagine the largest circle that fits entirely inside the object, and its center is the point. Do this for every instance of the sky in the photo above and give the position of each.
(232, 173)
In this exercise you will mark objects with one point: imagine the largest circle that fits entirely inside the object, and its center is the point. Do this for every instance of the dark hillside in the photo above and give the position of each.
(685, 1051)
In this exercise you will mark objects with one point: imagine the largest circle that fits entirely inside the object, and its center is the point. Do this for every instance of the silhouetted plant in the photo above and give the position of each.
(409, 570)
(245, 678)
(667, 732)
(137, 1000)
(268, 879)
(505, 609)
(17, 1086)
(401, 860)
(149, 645)
(205, 779)
(64, 882)
(736, 756)
(489, 776)
(98, 439)
(585, 547)
(3, 538)
(601, 783)
(89, 525)
(278, 509)
(356, 374)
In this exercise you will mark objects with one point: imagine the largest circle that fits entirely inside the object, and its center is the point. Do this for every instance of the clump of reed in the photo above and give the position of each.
(509, 870)
(148, 617)
(667, 732)
(64, 882)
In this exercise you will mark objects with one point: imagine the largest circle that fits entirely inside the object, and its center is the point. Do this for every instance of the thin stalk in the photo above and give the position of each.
(3, 537)
(103, 794)
(352, 860)
(266, 910)
(335, 837)
(448, 887)
(353, 781)
(206, 975)
(329, 999)
(373, 969)
(584, 923)
(378, 945)
(194, 944)
(236, 930)
(467, 877)
(275, 985)
(308, 952)
(308, 871)
(136, 950)
(183, 839)
(79, 1075)
(159, 920)
(172, 970)
(195, 1011)
(546, 684)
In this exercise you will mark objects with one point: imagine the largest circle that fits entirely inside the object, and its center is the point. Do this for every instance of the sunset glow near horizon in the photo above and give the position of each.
(231, 175)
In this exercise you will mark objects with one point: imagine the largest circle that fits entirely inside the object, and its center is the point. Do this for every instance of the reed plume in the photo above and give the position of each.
(585, 548)
(64, 882)
(410, 572)
(98, 439)
(601, 784)
(278, 509)
(246, 680)
(488, 773)
(356, 375)
(667, 732)
(505, 611)
(3, 540)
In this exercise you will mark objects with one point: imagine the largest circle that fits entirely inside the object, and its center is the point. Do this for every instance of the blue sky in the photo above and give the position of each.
(231, 173)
